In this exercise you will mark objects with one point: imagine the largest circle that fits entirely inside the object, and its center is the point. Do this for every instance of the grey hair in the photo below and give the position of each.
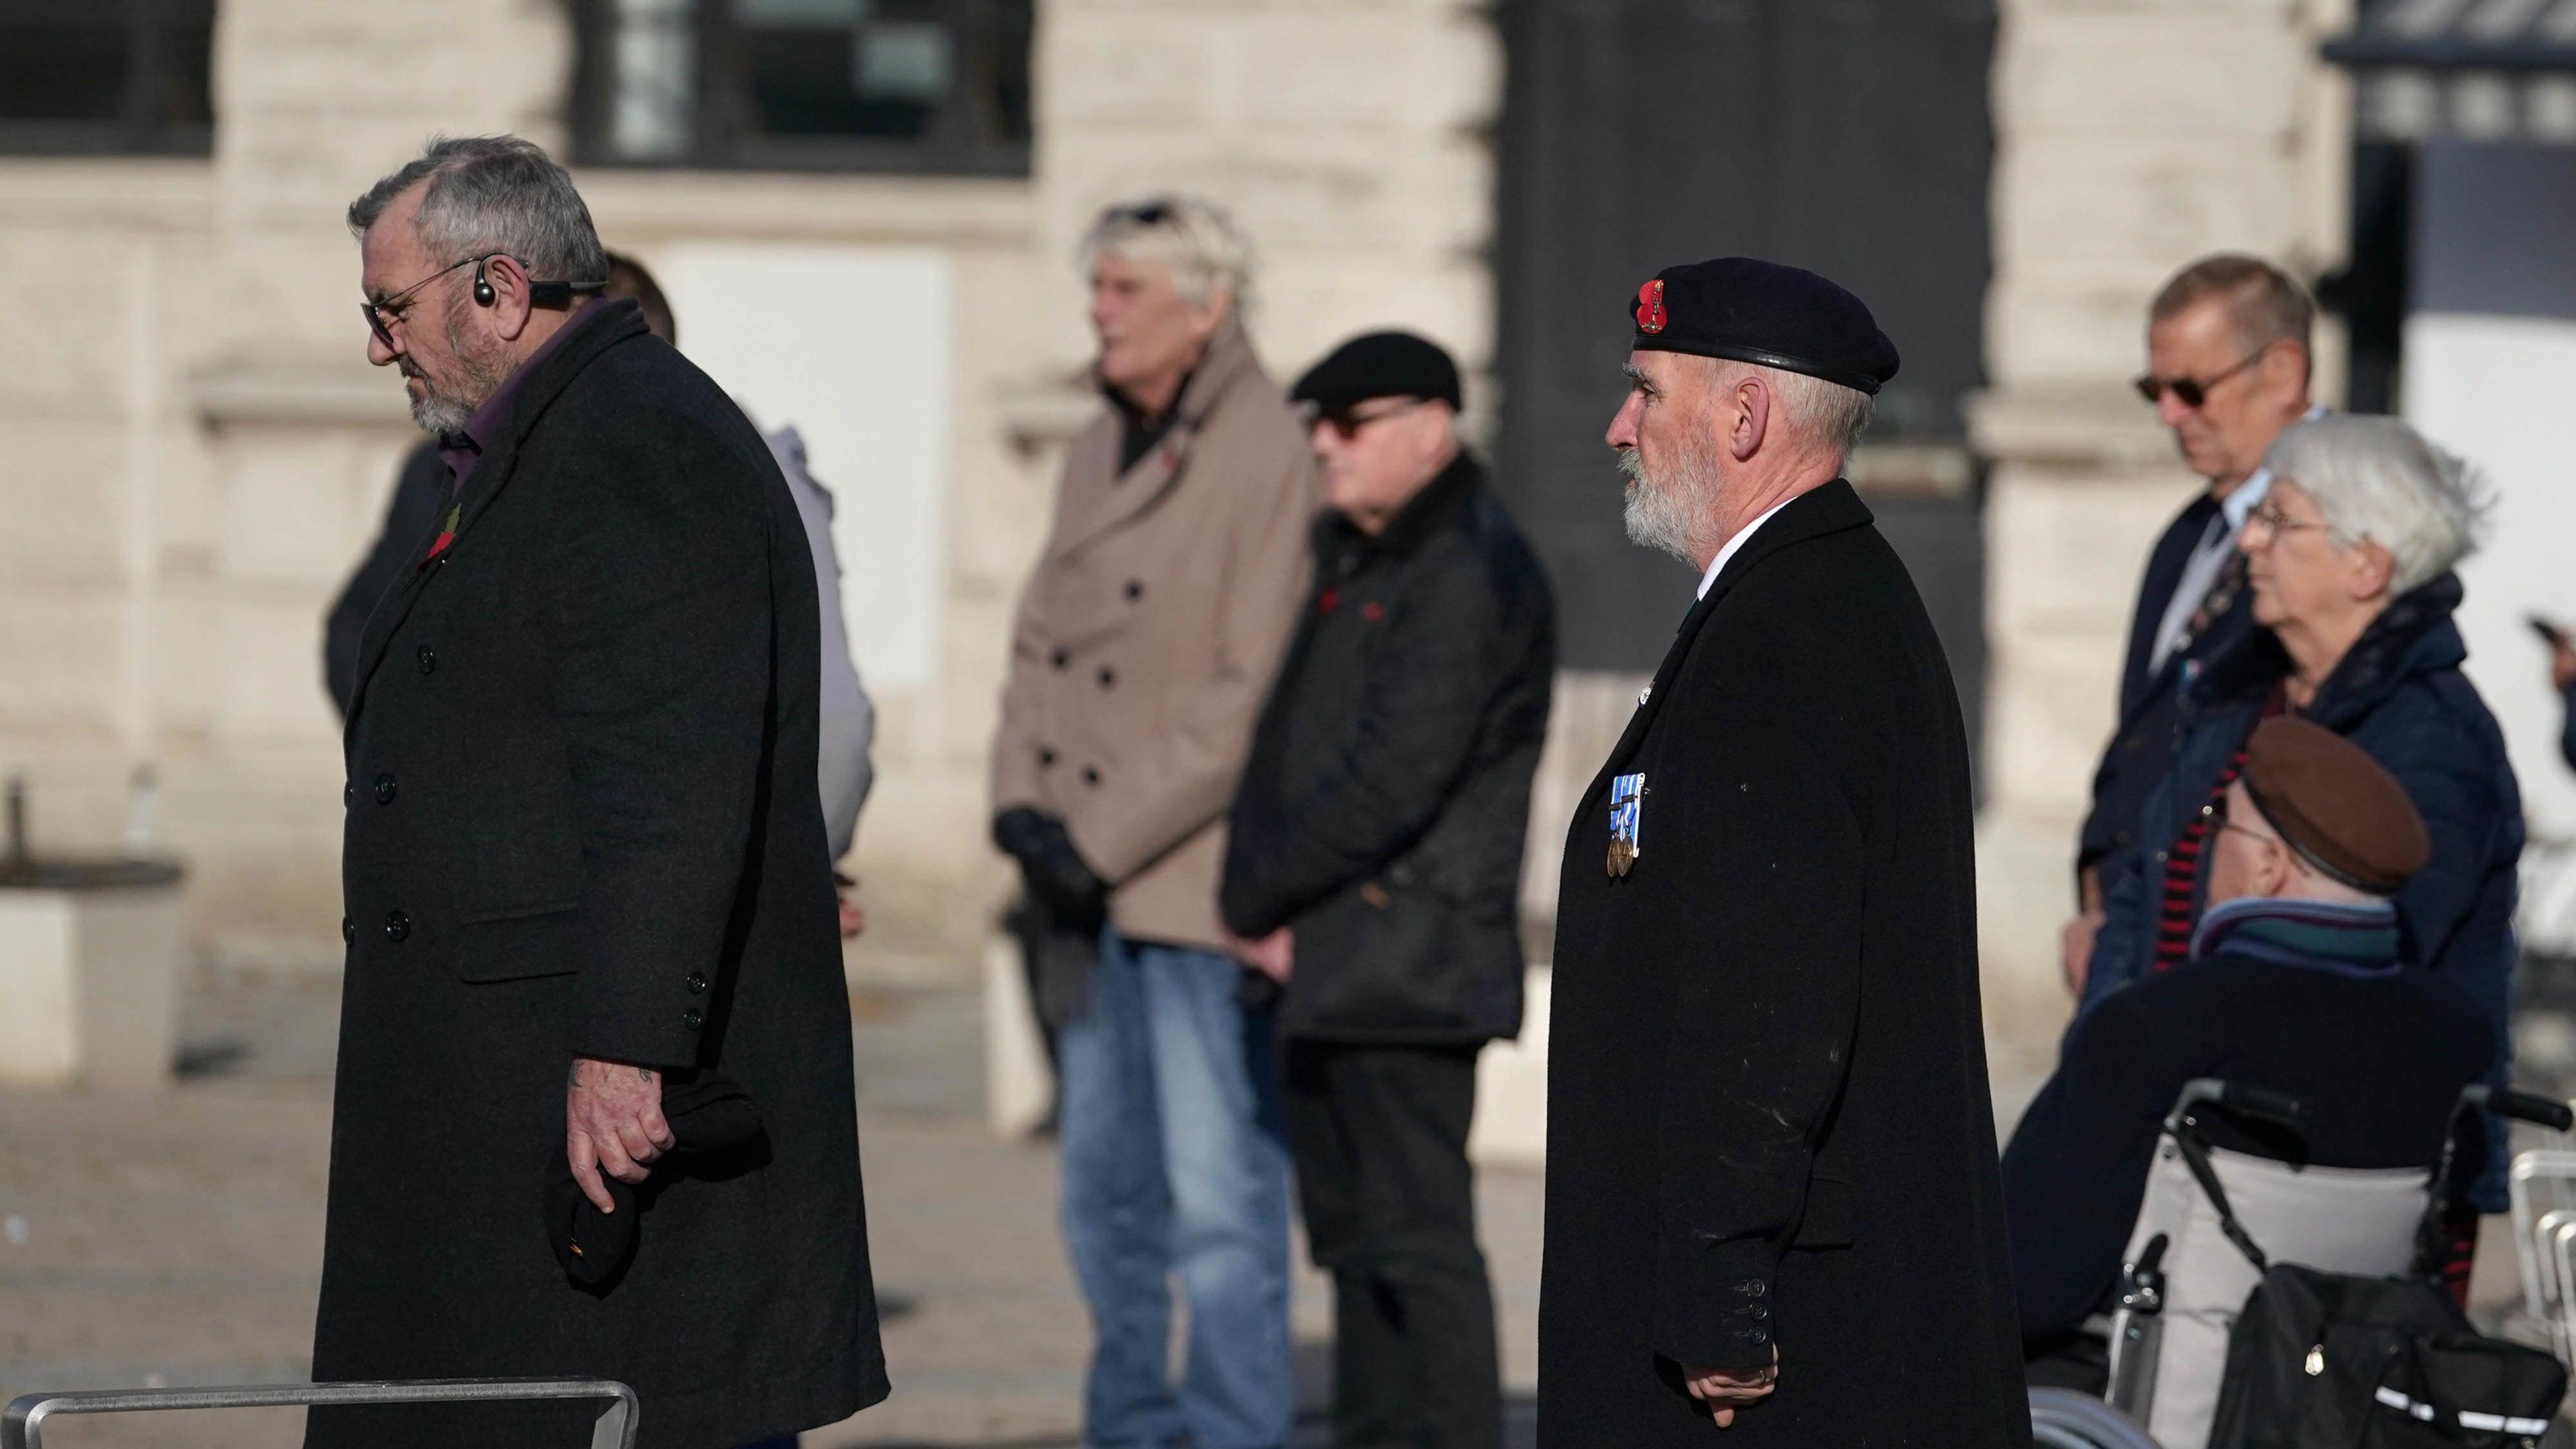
(1832, 415)
(2377, 479)
(1205, 250)
(498, 194)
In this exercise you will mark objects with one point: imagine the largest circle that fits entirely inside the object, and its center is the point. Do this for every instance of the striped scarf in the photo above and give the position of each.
(2356, 938)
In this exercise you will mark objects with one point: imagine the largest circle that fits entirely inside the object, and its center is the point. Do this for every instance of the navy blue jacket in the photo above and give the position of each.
(2141, 749)
(2400, 695)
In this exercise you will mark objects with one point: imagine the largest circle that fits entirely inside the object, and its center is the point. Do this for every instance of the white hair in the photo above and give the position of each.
(1206, 252)
(2376, 479)
(1828, 412)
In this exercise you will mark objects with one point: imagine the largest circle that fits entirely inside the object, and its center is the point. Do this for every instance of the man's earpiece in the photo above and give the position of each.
(483, 293)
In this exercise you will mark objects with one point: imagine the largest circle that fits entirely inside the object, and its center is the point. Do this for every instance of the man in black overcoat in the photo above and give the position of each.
(1772, 1197)
(584, 862)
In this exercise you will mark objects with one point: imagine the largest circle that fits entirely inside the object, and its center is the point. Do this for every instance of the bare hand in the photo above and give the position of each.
(1725, 1390)
(1274, 955)
(2562, 666)
(613, 1124)
(854, 919)
(2075, 950)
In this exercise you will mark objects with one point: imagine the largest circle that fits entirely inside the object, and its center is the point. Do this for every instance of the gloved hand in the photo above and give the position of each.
(1057, 876)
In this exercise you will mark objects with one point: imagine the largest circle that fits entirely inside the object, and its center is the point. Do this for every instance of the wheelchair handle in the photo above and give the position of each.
(2238, 1098)
(2520, 1106)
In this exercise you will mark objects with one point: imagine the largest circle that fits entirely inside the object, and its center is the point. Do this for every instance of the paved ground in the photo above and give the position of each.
(173, 1239)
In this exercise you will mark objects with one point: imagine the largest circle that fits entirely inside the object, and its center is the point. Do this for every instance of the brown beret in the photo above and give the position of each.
(2338, 808)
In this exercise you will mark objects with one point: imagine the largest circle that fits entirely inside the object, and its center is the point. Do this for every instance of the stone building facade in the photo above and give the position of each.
(197, 453)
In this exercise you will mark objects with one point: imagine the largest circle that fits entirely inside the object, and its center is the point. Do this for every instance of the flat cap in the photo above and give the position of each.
(1748, 310)
(2338, 808)
(1380, 364)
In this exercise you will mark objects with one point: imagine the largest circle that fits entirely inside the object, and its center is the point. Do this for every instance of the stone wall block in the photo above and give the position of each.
(2216, 72)
(2138, 203)
(62, 492)
(1102, 69)
(60, 648)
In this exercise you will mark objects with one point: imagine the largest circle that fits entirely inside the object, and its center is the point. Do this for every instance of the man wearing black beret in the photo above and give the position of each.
(1772, 1198)
(1373, 869)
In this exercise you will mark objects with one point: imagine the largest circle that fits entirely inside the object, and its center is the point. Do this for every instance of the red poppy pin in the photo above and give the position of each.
(446, 536)
(1650, 307)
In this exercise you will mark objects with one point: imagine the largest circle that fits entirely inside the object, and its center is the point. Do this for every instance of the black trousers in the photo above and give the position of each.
(1380, 1139)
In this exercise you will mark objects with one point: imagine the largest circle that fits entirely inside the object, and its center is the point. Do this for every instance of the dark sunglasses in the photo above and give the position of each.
(2189, 391)
(382, 315)
(1346, 422)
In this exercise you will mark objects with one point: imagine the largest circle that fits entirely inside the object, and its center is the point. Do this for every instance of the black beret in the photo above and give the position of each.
(1748, 310)
(1380, 364)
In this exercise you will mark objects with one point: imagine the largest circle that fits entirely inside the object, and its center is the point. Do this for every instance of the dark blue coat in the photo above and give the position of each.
(2141, 749)
(2399, 694)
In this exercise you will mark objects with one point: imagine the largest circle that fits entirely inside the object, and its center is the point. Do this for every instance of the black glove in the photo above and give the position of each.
(1057, 877)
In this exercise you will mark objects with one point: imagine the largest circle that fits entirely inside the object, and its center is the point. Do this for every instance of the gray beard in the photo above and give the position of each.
(439, 412)
(437, 415)
(1657, 515)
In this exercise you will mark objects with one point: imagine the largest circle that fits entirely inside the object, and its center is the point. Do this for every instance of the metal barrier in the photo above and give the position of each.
(22, 1425)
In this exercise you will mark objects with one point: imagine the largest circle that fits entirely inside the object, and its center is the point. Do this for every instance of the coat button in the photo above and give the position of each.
(1061, 657)
(1758, 1312)
(397, 927)
(1046, 757)
(1757, 1335)
(385, 788)
(693, 1018)
(1135, 590)
(428, 660)
(1752, 1287)
(1090, 775)
(697, 983)
(1108, 676)
(348, 931)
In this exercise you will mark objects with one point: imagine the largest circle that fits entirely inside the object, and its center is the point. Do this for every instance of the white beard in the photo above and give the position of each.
(1658, 514)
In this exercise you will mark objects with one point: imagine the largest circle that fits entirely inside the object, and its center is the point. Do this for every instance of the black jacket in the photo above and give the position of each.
(1384, 807)
(1768, 1121)
(582, 820)
(411, 518)
(2141, 749)
(2378, 1061)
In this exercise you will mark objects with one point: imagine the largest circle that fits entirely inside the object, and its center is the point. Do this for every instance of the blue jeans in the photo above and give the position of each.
(1175, 1165)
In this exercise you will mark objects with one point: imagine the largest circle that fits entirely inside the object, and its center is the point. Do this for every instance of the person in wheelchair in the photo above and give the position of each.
(2294, 982)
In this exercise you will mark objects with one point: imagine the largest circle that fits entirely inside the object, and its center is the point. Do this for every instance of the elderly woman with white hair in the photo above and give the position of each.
(2349, 559)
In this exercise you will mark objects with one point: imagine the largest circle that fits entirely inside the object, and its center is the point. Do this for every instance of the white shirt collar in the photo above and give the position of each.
(2240, 505)
(1736, 543)
(2236, 507)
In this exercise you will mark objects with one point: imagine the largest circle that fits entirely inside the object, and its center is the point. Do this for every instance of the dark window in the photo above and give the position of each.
(848, 85)
(93, 77)
(1852, 138)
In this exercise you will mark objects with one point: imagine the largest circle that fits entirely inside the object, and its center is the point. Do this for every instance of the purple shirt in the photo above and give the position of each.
(462, 450)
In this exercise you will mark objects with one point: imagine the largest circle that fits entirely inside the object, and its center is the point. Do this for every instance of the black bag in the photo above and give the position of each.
(2333, 1361)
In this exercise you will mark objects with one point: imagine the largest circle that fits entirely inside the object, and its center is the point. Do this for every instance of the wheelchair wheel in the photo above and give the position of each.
(2065, 1419)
